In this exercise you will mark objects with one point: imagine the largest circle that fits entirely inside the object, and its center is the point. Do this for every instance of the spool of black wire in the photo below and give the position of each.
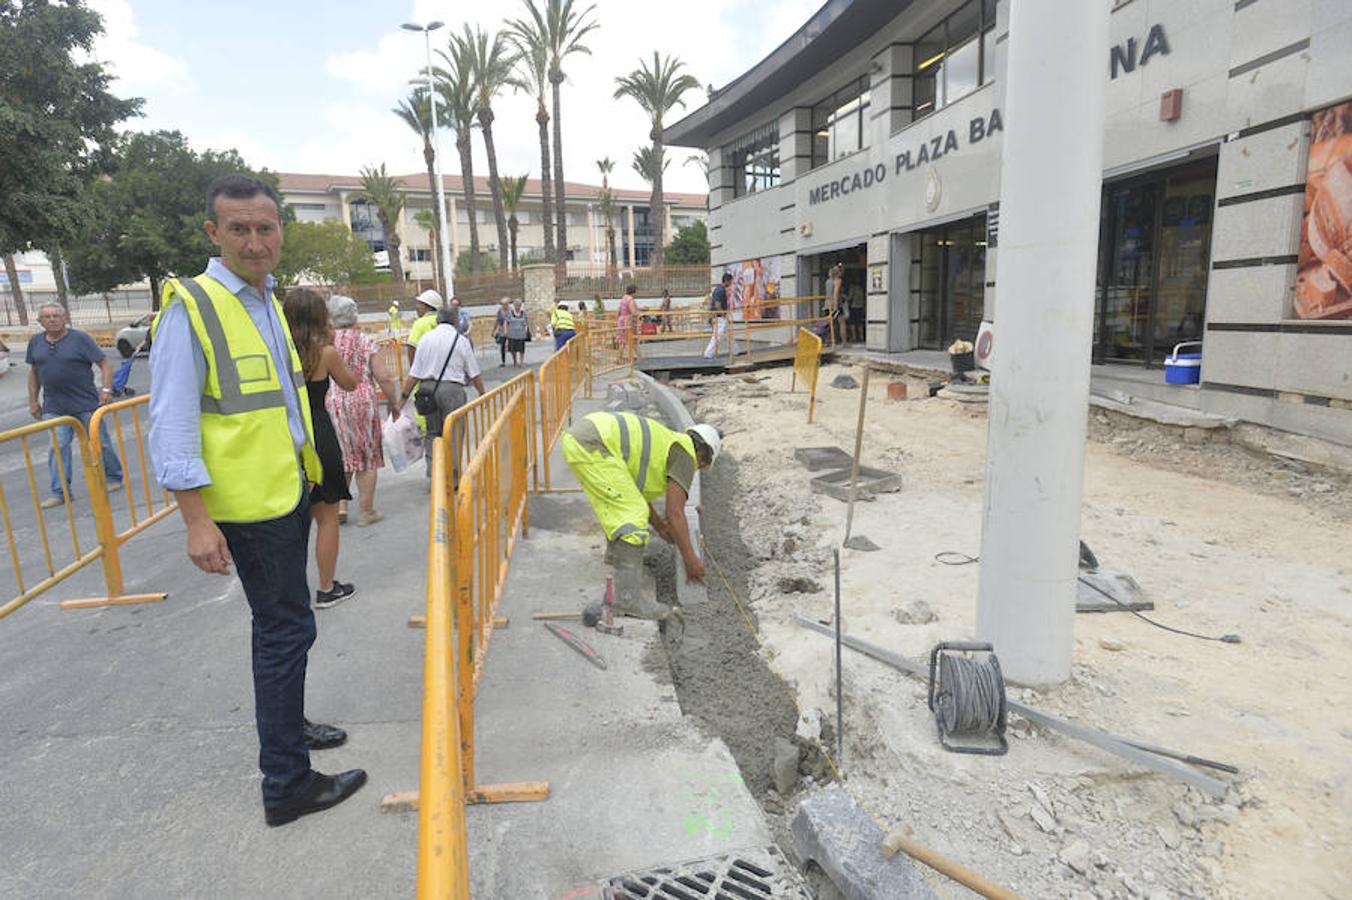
(967, 697)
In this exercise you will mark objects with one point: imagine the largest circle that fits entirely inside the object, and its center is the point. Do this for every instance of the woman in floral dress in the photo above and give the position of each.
(356, 414)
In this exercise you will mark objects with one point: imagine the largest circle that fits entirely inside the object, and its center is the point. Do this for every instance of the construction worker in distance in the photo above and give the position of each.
(425, 306)
(624, 463)
(562, 324)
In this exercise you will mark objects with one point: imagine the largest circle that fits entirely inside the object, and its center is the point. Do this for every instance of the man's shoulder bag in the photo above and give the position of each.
(425, 401)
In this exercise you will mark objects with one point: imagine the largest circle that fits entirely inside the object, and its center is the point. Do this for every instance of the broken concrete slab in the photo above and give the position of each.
(833, 833)
(871, 482)
(624, 396)
(818, 458)
(1096, 591)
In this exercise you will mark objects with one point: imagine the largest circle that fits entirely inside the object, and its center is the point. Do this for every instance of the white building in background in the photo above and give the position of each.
(35, 272)
(873, 137)
(318, 198)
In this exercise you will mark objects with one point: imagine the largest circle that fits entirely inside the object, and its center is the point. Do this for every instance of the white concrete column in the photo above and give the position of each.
(453, 226)
(343, 211)
(591, 233)
(666, 224)
(629, 219)
(1053, 153)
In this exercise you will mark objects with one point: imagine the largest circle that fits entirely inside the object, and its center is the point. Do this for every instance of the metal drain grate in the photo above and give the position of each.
(749, 875)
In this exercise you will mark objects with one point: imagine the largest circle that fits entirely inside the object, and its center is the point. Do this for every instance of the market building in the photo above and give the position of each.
(872, 137)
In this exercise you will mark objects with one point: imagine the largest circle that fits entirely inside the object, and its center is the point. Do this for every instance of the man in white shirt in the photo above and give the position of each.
(442, 365)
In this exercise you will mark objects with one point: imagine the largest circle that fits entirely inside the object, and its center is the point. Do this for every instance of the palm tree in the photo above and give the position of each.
(416, 112)
(426, 219)
(456, 89)
(490, 69)
(607, 199)
(564, 28)
(387, 195)
(532, 44)
(512, 191)
(658, 90)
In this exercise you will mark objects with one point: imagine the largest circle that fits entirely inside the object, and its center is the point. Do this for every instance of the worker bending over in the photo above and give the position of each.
(624, 463)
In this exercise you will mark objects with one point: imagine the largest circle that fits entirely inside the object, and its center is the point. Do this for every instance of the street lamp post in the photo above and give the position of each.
(438, 193)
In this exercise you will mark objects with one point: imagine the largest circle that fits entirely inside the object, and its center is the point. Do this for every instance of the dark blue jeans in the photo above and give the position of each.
(270, 558)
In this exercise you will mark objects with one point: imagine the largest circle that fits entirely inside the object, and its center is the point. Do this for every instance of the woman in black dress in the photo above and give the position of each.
(307, 314)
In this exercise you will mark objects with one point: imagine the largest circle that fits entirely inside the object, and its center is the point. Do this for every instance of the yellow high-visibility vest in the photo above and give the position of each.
(644, 445)
(561, 319)
(246, 442)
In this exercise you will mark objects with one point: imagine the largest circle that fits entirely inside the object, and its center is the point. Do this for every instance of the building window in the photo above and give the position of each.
(755, 160)
(955, 57)
(839, 123)
(366, 224)
(419, 254)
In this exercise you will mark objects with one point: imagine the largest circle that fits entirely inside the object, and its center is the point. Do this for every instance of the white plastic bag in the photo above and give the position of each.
(401, 441)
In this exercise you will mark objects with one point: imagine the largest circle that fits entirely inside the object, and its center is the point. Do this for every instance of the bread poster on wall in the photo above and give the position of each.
(1324, 268)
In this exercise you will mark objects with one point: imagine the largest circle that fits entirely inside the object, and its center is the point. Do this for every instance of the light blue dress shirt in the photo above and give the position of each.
(178, 373)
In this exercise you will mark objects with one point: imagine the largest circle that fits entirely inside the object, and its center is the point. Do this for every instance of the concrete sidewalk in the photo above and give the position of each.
(129, 751)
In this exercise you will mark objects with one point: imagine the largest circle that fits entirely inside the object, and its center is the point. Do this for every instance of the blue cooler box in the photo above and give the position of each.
(1183, 368)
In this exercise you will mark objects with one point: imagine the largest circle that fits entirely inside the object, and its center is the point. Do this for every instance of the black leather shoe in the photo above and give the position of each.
(327, 790)
(323, 737)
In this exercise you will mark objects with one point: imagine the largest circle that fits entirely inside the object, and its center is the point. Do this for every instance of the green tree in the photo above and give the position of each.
(563, 28)
(456, 87)
(147, 215)
(416, 112)
(466, 265)
(607, 200)
(426, 219)
(56, 125)
(490, 69)
(387, 195)
(512, 191)
(658, 90)
(532, 44)
(690, 246)
(326, 253)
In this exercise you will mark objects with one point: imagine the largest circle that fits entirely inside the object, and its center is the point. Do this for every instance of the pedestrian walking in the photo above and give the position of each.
(307, 314)
(562, 324)
(356, 414)
(231, 435)
(442, 367)
(518, 332)
(60, 370)
(666, 310)
(500, 330)
(626, 323)
(718, 308)
(625, 463)
(597, 306)
(461, 317)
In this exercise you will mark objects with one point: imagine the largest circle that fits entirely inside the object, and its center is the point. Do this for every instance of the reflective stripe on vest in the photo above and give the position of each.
(654, 439)
(563, 319)
(233, 400)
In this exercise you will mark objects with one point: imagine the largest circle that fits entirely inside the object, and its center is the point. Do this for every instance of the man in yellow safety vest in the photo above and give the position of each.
(231, 436)
(562, 324)
(625, 463)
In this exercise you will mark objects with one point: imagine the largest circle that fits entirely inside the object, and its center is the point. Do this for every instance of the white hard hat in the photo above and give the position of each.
(430, 298)
(712, 439)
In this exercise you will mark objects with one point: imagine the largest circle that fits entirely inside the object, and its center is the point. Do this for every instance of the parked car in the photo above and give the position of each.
(135, 338)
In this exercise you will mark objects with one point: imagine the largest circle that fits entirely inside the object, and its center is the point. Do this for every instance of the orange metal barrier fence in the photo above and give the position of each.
(556, 398)
(56, 566)
(443, 841)
(806, 363)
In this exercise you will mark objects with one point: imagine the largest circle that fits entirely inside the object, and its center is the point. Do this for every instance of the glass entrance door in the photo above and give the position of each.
(1154, 254)
(948, 281)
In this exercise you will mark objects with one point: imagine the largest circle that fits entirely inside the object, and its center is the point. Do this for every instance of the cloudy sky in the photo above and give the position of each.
(307, 85)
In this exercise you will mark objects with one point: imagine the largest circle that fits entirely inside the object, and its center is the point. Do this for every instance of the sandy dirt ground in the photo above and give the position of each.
(1222, 541)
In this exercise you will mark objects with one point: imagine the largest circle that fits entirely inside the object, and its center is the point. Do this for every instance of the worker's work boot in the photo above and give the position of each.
(635, 594)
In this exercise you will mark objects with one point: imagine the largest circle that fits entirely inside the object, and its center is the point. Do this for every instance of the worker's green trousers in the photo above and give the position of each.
(616, 500)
